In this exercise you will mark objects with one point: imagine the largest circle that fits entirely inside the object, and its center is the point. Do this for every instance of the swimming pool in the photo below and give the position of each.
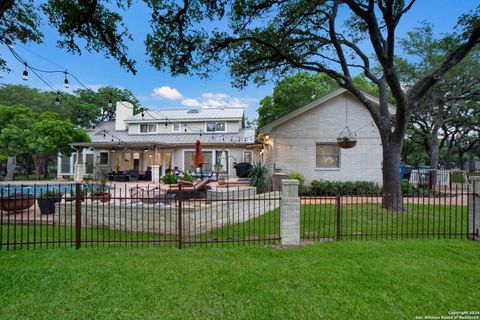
(37, 190)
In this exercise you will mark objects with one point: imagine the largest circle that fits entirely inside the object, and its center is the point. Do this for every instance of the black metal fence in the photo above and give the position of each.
(81, 215)
(438, 213)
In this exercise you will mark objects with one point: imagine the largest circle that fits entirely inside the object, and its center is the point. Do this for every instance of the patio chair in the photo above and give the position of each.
(197, 190)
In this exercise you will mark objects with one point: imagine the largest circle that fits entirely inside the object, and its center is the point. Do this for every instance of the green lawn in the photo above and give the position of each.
(363, 221)
(336, 280)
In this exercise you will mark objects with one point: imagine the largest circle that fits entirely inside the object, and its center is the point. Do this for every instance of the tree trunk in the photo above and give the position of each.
(45, 169)
(471, 160)
(434, 149)
(392, 191)
(11, 164)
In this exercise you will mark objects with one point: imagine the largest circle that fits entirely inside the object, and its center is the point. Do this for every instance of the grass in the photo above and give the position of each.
(335, 280)
(365, 221)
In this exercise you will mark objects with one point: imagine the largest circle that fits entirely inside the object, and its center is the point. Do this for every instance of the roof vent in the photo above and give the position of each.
(193, 111)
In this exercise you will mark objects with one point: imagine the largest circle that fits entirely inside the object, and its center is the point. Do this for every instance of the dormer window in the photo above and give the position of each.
(148, 128)
(216, 126)
(176, 127)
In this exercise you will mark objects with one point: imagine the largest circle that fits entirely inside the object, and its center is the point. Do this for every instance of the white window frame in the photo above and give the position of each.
(179, 126)
(214, 158)
(100, 158)
(251, 155)
(328, 168)
(148, 128)
(216, 122)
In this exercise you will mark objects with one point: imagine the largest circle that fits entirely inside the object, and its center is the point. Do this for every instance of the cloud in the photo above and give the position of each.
(188, 102)
(166, 92)
(221, 100)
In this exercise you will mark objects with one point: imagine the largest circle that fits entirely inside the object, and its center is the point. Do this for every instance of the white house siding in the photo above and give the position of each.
(293, 143)
(192, 127)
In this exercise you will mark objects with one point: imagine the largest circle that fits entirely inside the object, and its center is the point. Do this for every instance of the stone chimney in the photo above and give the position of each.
(123, 111)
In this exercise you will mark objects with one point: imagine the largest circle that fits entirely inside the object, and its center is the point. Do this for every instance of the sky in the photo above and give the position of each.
(159, 90)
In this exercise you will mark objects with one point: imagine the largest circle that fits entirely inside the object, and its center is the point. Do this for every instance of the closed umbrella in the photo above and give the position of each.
(198, 155)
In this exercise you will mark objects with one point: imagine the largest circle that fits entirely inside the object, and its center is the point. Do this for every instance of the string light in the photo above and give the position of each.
(25, 72)
(57, 100)
(67, 85)
(65, 82)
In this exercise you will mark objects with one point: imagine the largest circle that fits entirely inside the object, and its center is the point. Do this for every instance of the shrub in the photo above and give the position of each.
(169, 178)
(298, 176)
(187, 176)
(260, 178)
(334, 188)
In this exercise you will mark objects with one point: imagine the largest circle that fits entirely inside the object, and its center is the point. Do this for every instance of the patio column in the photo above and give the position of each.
(155, 167)
(163, 162)
(79, 167)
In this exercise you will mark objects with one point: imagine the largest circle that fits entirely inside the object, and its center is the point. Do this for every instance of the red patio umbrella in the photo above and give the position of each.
(198, 154)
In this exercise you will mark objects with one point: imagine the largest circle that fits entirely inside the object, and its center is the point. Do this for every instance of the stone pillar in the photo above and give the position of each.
(474, 209)
(290, 214)
(79, 167)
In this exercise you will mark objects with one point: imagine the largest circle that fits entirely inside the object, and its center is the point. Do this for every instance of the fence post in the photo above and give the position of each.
(474, 209)
(338, 207)
(290, 214)
(179, 217)
(78, 214)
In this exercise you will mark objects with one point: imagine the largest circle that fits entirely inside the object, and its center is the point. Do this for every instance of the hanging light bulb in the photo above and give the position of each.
(65, 82)
(57, 99)
(25, 73)
(110, 103)
(166, 122)
(104, 135)
(185, 128)
(93, 126)
(143, 115)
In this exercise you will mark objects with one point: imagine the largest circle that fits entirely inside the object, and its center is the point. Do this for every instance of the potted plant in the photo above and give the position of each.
(47, 201)
(83, 194)
(169, 178)
(100, 192)
(346, 142)
(16, 202)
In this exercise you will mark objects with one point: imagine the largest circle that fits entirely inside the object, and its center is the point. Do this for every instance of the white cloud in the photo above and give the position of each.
(221, 100)
(188, 102)
(166, 92)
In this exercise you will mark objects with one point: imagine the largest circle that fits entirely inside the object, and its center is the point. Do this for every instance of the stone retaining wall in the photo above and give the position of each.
(197, 216)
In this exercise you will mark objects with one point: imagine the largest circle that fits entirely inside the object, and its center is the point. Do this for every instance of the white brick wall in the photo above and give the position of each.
(293, 143)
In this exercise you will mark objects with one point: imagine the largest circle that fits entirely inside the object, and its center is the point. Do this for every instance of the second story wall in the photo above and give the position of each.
(183, 127)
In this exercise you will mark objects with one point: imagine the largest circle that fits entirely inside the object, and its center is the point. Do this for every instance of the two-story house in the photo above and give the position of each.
(162, 140)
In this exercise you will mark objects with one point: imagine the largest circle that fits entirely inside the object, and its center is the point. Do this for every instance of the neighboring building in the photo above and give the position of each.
(162, 140)
(305, 141)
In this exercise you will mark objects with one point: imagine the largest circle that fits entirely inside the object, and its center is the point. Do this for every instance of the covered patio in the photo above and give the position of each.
(137, 161)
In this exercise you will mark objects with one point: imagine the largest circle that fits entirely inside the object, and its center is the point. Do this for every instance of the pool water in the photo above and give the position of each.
(38, 190)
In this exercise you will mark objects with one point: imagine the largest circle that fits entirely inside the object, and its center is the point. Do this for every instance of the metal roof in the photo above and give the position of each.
(189, 114)
(243, 137)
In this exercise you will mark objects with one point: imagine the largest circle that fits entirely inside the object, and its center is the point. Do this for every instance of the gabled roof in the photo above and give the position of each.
(190, 114)
(316, 103)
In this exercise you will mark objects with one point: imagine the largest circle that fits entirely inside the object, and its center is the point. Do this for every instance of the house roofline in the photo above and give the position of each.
(313, 104)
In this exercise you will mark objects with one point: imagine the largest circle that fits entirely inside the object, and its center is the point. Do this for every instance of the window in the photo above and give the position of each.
(328, 155)
(221, 157)
(103, 158)
(189, 161)
(65, 164)
(247, 156)
(176, 127)
(150, 127)
(89, 163)
(215, 127)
